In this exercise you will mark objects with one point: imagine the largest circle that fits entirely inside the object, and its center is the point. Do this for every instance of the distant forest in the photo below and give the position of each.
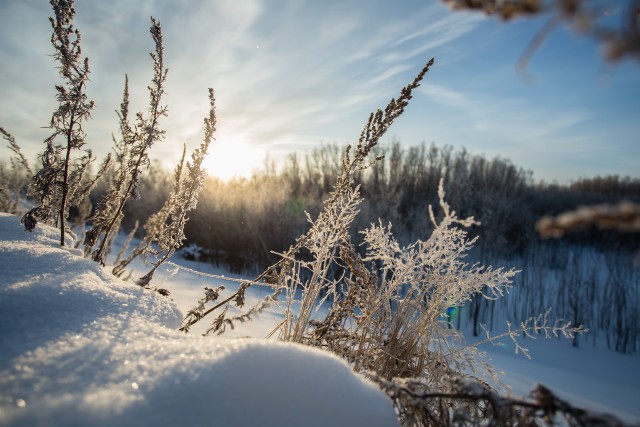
(241, 222)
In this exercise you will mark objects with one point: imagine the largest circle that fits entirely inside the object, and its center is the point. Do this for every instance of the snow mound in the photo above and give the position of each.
(79, 347)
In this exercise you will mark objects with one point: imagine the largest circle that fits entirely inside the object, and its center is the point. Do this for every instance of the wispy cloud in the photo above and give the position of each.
(290, 69)
(546, 140)
(287, 75)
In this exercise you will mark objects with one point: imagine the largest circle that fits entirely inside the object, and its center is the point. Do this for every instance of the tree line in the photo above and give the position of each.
(242, 221)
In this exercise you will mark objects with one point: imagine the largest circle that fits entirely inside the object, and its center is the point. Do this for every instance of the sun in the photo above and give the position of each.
(233, 157)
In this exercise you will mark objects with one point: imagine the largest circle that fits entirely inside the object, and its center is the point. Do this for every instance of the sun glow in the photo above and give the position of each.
(233, 157)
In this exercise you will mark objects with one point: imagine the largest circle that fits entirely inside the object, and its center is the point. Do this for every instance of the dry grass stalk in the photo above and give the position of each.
(169, 230)
(136, 142)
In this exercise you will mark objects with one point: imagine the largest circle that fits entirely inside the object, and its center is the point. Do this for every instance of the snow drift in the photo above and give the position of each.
(81, 347)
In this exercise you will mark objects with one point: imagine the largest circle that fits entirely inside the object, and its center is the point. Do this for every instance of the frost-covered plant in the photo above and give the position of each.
(155, 224)
(387, 314)
(197, 312)
(132, 154)
(225, 320)
(84, 182)
(329, 228)
(106, 211)
(12, 183)
(169, 234)
(56, 184)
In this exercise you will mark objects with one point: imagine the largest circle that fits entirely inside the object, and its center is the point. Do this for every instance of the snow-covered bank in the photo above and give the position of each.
(79, 347)
(596, 379)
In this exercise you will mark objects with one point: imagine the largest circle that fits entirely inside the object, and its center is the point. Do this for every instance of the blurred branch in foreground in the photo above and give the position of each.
(593, 18)
(624, 217)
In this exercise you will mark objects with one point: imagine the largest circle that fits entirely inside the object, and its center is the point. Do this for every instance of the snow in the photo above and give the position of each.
(593, 378)
(79, 347)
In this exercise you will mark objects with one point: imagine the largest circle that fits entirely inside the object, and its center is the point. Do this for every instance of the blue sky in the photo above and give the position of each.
(290, 74)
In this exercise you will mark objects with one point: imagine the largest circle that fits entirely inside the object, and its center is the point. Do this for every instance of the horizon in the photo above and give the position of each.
(296, 75)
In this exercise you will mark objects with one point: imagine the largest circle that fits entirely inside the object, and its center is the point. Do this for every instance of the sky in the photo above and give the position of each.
(292, 74)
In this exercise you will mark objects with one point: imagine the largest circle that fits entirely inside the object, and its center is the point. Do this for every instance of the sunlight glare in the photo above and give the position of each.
(233, 157)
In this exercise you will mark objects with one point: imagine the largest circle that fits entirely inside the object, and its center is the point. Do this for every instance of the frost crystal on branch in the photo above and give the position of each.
(169, 230)
(57, 184)
(132, 153)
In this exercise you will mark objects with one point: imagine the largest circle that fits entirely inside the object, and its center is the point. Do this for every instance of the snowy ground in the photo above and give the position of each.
(593, 378)
(597, 379)
(78, 347)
